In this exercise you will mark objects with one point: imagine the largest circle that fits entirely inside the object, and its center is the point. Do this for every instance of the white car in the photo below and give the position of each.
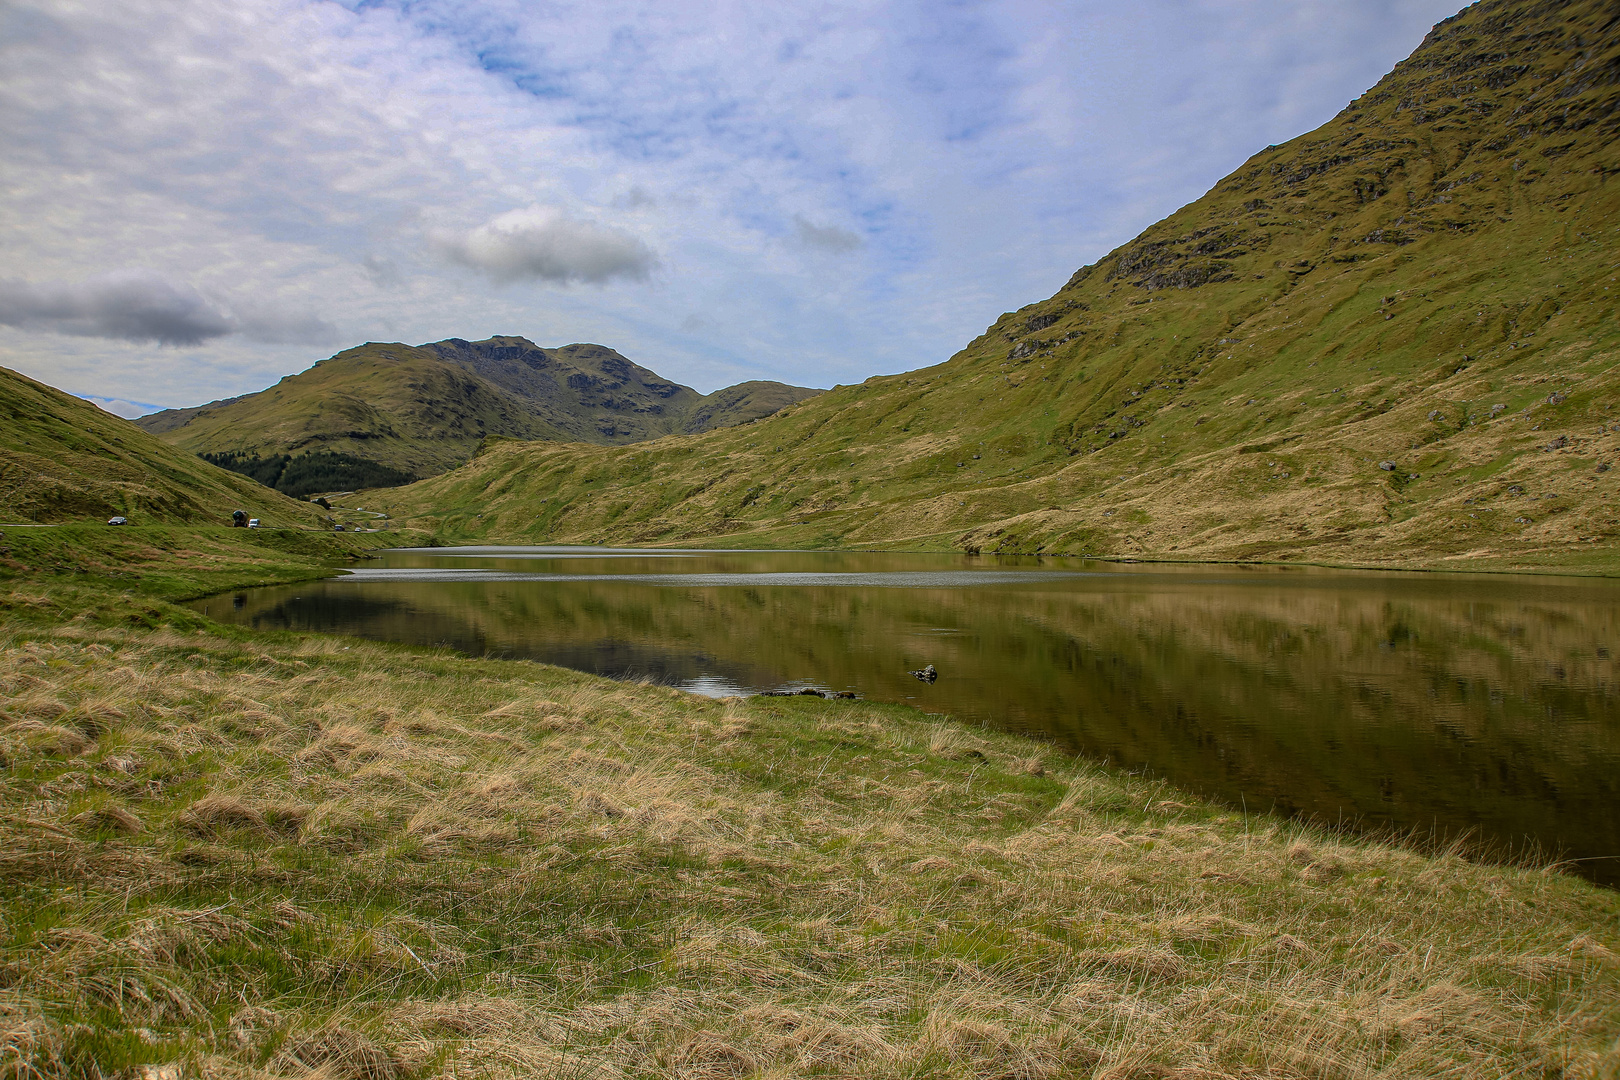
(253, 523)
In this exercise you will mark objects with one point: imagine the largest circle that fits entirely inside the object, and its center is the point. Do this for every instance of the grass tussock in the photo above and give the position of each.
(290, 857)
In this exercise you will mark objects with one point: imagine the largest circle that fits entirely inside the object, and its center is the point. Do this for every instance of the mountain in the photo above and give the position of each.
(63, 459)
(424, 409)
(1392, 340)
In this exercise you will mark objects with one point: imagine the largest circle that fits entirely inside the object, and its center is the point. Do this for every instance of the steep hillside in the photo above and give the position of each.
(422, 410)
(1392, 339)
(62, 459)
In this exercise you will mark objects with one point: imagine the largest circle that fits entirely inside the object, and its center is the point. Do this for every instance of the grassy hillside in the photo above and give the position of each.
(62, 459)
(1429, 280)
(232, 854)
(422, 410)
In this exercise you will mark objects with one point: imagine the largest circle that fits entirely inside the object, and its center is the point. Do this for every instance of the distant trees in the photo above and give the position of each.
(305, 474)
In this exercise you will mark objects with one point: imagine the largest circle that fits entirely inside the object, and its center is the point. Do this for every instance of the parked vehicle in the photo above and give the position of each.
(118, 521)
(253, 523)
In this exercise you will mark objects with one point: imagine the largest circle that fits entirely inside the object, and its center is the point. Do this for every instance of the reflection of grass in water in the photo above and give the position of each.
(1393, 700)
(385, 864)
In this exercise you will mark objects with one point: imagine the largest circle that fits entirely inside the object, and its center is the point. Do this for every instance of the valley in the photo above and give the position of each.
(317, 802)
(1391, 341)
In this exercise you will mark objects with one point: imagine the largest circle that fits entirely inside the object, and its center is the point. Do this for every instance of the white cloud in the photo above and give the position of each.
(143, 306)
(541, 243)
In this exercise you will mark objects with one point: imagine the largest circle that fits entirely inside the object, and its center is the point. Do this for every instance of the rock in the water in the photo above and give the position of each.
(811, 691)
(927, 674)
(1387, 466)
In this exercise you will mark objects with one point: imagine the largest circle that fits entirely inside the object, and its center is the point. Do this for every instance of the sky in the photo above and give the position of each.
(203, 196)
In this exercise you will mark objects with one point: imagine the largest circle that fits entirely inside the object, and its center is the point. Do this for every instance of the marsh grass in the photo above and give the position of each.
(239, 855)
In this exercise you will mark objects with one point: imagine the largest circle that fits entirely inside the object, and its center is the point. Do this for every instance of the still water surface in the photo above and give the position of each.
(1420, 701)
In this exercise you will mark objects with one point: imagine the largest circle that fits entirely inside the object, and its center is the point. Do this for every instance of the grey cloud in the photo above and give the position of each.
(382, 272)
(826, 237)
(542, 244)
(144, 306)
(133, 305)
(634, 199)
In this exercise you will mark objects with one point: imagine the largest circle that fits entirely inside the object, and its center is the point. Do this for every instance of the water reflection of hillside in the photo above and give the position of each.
(1411, 701)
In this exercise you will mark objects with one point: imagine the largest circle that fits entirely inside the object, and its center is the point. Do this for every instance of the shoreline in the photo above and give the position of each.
(1437, 567)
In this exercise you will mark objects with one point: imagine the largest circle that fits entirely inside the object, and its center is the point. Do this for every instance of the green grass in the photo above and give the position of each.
(239, 854)
(64, 460)
(174, 562)
(1243, 418)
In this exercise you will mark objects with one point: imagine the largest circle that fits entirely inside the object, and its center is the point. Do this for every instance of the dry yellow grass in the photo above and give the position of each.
(304, 857)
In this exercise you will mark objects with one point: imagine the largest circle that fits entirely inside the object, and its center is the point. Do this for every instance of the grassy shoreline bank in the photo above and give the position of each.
(230, 853)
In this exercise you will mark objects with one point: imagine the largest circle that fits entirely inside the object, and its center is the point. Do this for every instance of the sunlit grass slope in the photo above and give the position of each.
(251, 856)
(1429, 280)
(63, 459)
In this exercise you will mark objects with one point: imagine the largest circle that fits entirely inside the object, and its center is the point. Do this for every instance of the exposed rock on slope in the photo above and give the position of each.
(1428, 279)
(63, 459)
(426, 409)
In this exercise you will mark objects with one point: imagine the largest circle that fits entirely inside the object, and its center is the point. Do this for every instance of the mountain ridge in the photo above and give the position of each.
(424, 409)
(1425, 282)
